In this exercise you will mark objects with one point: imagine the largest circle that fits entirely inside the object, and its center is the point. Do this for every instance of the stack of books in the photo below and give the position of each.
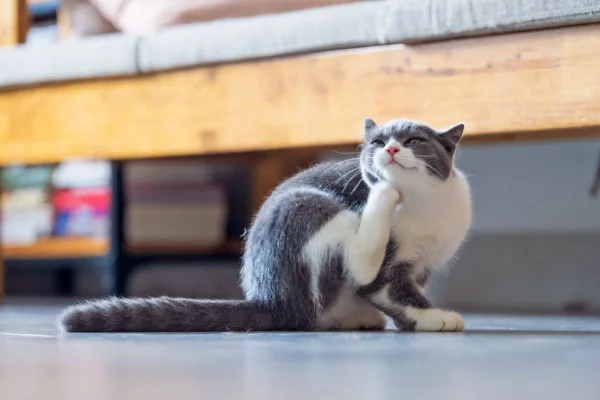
(81, 199)
(26, 204)
(174, 203)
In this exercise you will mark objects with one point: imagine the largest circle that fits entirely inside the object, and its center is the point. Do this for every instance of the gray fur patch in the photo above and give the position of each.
(167, 314)
(273, 270)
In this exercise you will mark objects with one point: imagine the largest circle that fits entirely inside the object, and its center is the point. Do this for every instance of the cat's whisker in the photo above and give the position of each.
(340, 162)
(342, 176)
(356, 186)
(349, 180)
(427, 157)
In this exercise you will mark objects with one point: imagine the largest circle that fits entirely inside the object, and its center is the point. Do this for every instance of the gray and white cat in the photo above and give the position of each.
(333, 247)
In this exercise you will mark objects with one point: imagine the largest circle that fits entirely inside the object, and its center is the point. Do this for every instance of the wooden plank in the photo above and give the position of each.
(2, 289)
(268, 171)
(271, 168)
(533, 85)
(14, 22)
(58, 248)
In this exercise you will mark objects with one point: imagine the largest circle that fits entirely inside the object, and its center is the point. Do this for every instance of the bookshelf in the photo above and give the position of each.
(65, 248)
(57, 248)
(115, 259)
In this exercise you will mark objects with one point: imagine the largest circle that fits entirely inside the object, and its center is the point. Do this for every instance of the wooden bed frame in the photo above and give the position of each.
(536, 85)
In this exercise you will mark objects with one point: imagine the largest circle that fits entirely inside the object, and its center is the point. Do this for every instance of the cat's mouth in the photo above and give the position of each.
(394, 163)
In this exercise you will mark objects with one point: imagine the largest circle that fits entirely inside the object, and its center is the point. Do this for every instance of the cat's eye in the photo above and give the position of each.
(377, 142)
(414, 140)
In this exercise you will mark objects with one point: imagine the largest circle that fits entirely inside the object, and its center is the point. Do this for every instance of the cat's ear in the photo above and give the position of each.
(370, 125)
(451, 136)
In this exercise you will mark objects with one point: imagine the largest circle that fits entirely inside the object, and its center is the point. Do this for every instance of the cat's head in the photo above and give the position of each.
(407, 153)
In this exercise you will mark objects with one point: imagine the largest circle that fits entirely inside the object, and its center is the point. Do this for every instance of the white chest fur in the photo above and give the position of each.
(431, 227)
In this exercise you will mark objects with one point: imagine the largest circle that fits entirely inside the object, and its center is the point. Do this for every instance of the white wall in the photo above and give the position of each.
(535, 245)
(533, 187)
(523, 272)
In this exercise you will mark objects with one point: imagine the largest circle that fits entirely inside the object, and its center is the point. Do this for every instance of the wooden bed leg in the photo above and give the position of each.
(1, 258)
(1, 278)
(267, 172)
(14, 22)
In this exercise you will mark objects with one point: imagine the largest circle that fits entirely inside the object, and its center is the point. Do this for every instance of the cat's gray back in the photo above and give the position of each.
(341, 179)
(289, 218)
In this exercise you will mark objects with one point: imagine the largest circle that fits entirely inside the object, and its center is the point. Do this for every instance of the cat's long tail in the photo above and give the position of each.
(168, 314)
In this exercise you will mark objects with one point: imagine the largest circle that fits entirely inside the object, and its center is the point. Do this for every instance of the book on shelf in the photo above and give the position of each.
(68, 200)
(82, 212)
(82, 198)
(27, 213)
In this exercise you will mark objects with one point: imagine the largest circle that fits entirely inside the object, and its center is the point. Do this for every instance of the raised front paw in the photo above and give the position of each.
(385, 193)
(435, 320)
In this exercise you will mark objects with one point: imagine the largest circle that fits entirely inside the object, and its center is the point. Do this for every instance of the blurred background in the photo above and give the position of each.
(88, 227)
(533, 247)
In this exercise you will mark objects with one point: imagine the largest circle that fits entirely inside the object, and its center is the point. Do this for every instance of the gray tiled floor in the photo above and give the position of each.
(499, 357)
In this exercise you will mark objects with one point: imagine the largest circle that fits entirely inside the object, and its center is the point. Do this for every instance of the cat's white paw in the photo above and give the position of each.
(435, 320)
(386, 193)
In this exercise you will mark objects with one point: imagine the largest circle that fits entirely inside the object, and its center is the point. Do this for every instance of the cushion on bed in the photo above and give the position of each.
(100, 56)
(338, 27)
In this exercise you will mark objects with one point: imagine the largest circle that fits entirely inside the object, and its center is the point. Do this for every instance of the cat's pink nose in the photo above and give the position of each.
(393, 150)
